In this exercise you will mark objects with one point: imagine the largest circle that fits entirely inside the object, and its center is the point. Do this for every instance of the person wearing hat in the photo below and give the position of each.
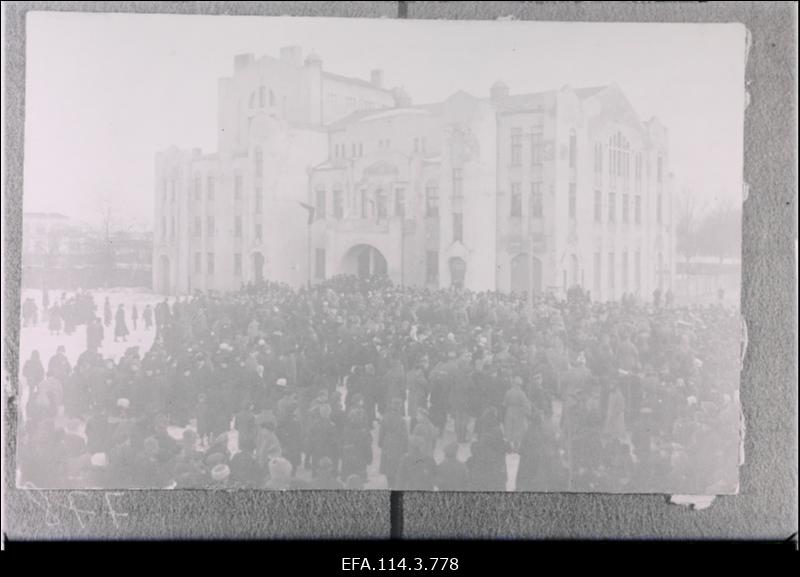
(451, 473)
(416, 470)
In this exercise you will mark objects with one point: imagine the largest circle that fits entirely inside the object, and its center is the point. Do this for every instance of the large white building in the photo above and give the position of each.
(556, 188)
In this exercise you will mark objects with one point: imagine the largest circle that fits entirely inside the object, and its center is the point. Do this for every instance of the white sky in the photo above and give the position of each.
(106, 91)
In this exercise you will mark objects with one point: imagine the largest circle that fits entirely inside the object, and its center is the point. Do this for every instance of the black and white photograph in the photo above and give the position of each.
(289, 253)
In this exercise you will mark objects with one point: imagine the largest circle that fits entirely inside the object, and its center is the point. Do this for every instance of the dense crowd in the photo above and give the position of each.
(437, 386)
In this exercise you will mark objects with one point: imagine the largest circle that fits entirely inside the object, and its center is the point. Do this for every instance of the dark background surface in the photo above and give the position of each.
(766, 507)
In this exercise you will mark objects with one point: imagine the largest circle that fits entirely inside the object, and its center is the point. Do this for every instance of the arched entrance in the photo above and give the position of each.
(520, 274)
(364, 260)
(458, 270)
(258, 267)
(163, 275)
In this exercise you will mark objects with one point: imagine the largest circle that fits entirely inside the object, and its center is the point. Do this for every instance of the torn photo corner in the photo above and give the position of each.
(312, 253)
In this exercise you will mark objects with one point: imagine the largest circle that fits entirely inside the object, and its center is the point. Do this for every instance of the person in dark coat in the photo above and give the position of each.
(33, 371)
(59, 366)
(417, 470)
(147, 317)
(120, 325)
(487, 465)
(54, 320)
(451, 474)
(393, 441)
(323, 439)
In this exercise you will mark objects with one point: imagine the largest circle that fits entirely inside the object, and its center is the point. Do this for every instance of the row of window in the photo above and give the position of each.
(357, 148)
(612, 272)
(211, 265)
(237, 227)
(536, 147)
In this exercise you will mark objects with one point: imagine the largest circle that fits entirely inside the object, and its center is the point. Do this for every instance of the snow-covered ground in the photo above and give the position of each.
(39, 338)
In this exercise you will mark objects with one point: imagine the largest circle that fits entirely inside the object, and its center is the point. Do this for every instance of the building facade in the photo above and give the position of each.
(547, 190)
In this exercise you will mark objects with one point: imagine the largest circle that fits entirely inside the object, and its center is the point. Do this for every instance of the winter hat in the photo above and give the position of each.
(220, 472)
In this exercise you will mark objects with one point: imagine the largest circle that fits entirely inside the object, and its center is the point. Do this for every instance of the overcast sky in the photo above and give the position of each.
(106, 91)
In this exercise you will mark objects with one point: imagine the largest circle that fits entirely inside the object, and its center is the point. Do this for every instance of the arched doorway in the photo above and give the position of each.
(364, 260)
(520, 274)
(163, 275)
(458, 270)
(258, 267)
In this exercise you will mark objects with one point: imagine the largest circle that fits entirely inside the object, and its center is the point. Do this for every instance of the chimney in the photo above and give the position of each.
(292, 55)
(376, 78)
(499, 90)
(241, 61)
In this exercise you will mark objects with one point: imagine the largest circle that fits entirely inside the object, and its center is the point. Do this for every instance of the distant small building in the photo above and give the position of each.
(61, 253)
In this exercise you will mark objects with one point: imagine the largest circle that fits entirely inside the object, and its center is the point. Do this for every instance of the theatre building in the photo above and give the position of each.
(550, 190)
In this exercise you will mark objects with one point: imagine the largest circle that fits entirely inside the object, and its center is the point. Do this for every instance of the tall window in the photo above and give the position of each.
(338, 202)
(625, 208)
(659, 214)
(364, 203)
(458, 227)
(573, 200)
(598, 275)
(516, 146)
(516, 200)
(625, 271)
(210, 263)
(381, 203)
(458, 183)
(198, 226)
(320, 202)
(432, 199)
(211, 186)
(258, 200)
(258, 161)
(611, 272)
(598, 157)
(638, 172)
(638, 209)
(237, 226)
(320, 263)
(237, 187)
(537, 148)
(164, 227)
(272, 97)
(172, 228)
(198, 263)
(432, 266)
(198, 187)
(660, 169)
(537, 202)
(573, 149)
(237, 264)
(619, 151)
(259, 231)
(612, 207)
(210, 226)
(598, 206)
(637, 270)
(400, 202)
(416, 144)
(262, 96)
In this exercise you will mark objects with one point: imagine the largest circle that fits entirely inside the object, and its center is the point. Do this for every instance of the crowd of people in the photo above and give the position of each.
(330, 386)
